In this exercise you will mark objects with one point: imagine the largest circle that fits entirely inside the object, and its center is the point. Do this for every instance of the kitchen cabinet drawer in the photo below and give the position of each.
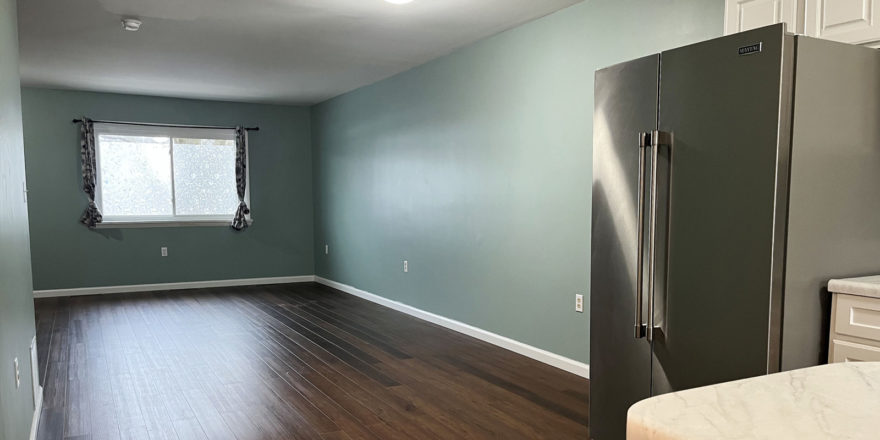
(844, 351)
(857, 316)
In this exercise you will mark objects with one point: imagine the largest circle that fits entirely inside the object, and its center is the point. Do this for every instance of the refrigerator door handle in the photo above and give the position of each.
(658, 139)
(639, 327)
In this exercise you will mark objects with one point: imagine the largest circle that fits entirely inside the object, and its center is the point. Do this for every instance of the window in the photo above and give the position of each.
(165, 175)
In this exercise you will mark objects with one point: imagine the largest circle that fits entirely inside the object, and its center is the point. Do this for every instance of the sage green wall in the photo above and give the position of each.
(68, 255)
(476, 168)
(16, 302)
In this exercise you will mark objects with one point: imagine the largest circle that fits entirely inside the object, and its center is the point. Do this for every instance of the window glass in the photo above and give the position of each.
(135, 174)
(204, 176)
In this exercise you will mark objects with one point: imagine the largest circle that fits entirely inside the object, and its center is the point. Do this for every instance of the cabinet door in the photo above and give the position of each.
(848, 21)
(743, 15)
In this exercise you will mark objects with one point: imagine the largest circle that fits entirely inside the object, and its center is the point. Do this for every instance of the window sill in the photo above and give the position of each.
(122, 224)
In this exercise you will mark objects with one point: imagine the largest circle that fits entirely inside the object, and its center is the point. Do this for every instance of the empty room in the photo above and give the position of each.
(439, 219)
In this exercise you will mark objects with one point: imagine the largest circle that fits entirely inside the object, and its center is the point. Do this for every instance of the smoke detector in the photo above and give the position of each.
(131, 24)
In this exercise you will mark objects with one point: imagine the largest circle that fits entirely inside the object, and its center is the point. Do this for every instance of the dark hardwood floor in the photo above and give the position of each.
(293, 361)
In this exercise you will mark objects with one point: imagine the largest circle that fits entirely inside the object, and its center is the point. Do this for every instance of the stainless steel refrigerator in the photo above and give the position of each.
(731, 179)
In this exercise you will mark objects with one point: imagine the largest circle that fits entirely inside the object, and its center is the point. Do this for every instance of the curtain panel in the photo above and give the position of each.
(91, 216)
(239, 222)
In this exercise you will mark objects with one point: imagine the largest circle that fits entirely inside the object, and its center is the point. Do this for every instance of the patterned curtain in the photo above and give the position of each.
(91, 216)
(240, 220)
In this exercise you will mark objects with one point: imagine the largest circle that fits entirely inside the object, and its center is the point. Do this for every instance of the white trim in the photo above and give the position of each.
(37, 389)
(726, 17)
(35, 422)
(170, 286)
(226, 134)
(561, 362)
(129, 224)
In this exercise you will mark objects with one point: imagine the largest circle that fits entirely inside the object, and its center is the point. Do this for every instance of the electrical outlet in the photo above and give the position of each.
(405, 266)
(17, 373)
(579, 303)
(326, 249)
(164, 251)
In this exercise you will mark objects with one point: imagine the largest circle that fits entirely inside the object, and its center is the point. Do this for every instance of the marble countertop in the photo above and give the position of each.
(836, 401)
(863, 286)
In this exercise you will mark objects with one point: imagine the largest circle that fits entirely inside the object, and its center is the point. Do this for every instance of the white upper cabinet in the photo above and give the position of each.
(849, 21)
(743, 15)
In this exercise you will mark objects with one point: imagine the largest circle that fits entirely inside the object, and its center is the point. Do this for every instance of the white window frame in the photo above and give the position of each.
(146, 221)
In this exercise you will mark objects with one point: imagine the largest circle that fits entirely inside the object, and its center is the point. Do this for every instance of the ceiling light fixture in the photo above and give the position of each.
(399, 2)
(131, 24)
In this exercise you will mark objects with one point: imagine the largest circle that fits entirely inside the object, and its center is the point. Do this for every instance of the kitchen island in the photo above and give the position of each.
(836, 401)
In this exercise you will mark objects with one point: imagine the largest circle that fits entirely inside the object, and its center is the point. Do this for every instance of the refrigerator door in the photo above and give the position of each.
(626, 104)
(721, 101)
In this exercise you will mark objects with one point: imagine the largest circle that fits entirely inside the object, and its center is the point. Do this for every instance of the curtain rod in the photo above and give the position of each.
(147, 124)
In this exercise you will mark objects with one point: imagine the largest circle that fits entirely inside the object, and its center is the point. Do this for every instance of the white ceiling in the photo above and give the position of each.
(285, 51)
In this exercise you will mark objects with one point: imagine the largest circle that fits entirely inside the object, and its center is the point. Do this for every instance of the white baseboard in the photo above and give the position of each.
(561, 362)
(35, 388)
(170, 286)
(38, 409)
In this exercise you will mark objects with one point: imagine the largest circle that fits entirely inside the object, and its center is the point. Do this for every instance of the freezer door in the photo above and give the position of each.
(721, 100)
(626, 104)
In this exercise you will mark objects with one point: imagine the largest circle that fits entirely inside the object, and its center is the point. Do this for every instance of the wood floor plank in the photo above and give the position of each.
(344, 352)
(279, 362)
(454, 413)
(445, 392)
(359, 386)
(189, 429)
(348, 395)
(52, 423)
